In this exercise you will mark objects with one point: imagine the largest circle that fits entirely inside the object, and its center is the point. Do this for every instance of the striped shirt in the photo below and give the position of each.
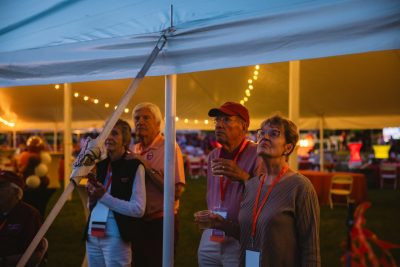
(287, 230)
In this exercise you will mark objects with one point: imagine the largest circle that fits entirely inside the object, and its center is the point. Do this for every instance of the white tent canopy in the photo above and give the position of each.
(74, 41)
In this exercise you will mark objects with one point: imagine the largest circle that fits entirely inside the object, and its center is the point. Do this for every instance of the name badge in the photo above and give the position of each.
(219, 235)
(98, 220)
(252, 258)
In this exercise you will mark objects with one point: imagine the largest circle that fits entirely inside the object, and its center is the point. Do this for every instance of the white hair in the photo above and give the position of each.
(154, 109)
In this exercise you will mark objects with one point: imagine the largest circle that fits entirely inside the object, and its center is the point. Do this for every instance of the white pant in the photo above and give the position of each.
(108, 251)
(212, 253)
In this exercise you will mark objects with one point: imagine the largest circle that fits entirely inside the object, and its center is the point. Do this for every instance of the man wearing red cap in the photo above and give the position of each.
(228, 168)
(19, 222)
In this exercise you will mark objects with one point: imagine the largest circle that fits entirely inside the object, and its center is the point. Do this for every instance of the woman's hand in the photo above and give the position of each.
(95, 190)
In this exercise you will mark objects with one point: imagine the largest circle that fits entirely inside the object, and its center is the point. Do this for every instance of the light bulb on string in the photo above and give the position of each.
(205, 121)
(126, 110)
(86, 98)
(106, 105)
(76, 94)
(255, 77)
(242, 102)
(186, 121)
(257, 67)
(96, 101)
(251, 87)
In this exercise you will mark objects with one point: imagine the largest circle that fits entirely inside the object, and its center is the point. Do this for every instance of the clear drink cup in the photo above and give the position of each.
(203, 218)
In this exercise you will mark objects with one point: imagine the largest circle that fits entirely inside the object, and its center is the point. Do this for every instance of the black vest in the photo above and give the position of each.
(123, 176)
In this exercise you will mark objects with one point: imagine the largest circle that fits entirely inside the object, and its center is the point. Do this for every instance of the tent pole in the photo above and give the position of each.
(169, 168)
(321, 144)
(294, 103)
(14, 139)
(55, 136)
(67, 132)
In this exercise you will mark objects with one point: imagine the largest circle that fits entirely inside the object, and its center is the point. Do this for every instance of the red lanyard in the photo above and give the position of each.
(224, 186)
(256, 212)
(109, 176)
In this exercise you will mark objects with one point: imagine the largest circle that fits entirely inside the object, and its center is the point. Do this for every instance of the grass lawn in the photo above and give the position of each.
(66, 247)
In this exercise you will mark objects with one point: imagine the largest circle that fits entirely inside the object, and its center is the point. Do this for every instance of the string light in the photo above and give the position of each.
(245, 99)
(250, 85)
(57, 86)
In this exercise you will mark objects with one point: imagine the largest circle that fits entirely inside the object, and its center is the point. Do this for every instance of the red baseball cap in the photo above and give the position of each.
(231, 109)
(12, 177)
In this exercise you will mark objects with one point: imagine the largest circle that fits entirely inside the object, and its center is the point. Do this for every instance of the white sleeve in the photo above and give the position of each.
(136, 205)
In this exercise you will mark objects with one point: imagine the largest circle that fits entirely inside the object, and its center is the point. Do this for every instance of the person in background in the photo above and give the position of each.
(229, 167)
(117, 195)
(19, 222)
(279, 214)
(148, 248)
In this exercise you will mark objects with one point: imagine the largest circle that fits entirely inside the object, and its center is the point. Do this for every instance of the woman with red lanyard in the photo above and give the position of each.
(279, 214)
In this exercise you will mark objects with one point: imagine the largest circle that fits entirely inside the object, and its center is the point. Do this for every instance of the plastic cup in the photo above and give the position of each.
(203, 218)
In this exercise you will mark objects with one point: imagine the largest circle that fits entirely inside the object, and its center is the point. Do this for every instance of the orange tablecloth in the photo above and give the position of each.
(322, 182)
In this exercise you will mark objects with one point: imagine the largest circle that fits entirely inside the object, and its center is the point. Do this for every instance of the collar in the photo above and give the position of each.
(157, 143)
(230, 155)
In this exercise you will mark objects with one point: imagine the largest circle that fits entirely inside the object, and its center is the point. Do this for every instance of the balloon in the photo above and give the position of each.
(45, 157)
(41, 169)
(33, 181)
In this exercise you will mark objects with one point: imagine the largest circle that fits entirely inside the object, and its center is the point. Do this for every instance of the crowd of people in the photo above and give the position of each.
(262, 213)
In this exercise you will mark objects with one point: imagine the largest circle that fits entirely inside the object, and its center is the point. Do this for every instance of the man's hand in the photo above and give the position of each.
(228, 168)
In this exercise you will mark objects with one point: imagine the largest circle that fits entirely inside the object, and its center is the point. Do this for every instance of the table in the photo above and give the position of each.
(322, 183)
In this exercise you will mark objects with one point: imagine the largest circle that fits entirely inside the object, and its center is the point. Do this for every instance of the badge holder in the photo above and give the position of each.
(219, 235)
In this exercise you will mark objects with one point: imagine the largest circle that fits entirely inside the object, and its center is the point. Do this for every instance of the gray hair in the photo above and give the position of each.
(154, 109)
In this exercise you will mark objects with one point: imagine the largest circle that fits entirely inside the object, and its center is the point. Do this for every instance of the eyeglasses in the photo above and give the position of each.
(224, 120)
(271, 132)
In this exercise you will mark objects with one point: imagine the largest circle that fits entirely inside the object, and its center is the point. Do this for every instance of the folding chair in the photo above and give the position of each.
(341, 185)
(388, 171)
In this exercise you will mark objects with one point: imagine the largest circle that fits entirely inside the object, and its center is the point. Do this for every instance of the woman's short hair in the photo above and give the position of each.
(290, 129)
(154, 109)
(126, 132)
